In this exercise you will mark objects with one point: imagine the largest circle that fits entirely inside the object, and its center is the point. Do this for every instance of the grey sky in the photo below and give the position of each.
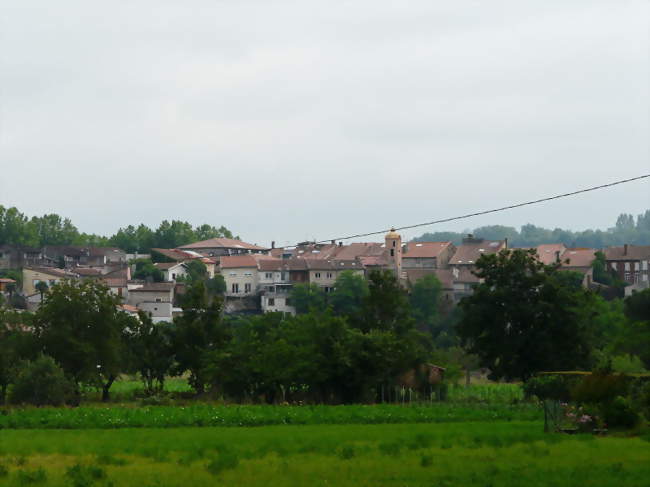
(288, 120)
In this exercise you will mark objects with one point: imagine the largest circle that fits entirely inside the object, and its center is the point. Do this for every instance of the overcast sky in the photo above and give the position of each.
(292, 120)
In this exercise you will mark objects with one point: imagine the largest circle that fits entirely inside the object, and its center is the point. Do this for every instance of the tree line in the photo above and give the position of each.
(626, 230)
(317, 356)
(51, 229)
(340, 347)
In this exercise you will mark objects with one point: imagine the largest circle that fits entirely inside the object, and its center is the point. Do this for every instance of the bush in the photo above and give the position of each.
(41, 383)
(599, 388)
(547, 387)
(619, 413)
(84, 475)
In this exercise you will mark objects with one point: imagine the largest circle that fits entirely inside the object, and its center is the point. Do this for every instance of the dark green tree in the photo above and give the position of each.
(146, 270)
(386, 307)
(523, 319)
(150, 351)
(198, 332)
(80, 325)
(425, 301)
(306, 297)
(349, 293)
(41, 287)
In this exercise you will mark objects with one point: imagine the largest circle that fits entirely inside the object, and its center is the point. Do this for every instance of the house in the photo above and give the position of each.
(630, 263)
(49, 275)
(156, 298)
(240, 274)
(471, 250)
(172, 270)
(275, 286)
(427, 255)
(324, 273)
(579, 260)
(180, 256)
(74, 255)
(215, 247)
(549, 254)
(17, 256)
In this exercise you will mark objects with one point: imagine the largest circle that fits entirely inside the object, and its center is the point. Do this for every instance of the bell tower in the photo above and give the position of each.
(394, 250)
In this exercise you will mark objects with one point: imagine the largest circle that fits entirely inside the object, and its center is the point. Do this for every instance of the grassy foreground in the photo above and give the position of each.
(483, 454)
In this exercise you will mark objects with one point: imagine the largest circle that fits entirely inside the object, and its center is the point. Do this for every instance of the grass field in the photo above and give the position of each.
(117, 416)
(483, 454)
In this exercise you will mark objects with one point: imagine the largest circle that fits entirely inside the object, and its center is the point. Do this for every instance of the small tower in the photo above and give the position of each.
(394, 249)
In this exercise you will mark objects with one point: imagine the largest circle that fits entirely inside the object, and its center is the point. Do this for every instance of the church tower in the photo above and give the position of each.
(394, 251)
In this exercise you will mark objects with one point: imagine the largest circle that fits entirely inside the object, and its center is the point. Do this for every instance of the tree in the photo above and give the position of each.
(386, 307)
(151, 352)
(522, 319)
(41, 287)
(350, 290)
(306, 297)
(16, 344)
(198, 332)
(425, 301)
(80, 326)
(41, 383)
(146, 270)
(216, 286)
(196, 271)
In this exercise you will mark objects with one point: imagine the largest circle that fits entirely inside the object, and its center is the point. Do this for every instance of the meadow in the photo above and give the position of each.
(514, 453)
(485, 435)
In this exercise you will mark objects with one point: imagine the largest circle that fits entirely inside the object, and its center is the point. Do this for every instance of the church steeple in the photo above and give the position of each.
(394, 248)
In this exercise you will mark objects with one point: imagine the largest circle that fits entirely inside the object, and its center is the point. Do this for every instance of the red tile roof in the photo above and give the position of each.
(547, 253)
(226, 243)
(469, 253)
(578, 257)
(424, 249)
(634, 252)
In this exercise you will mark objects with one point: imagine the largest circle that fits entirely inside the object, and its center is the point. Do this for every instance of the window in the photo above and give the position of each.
(247, 287)
(174, 275)
(271, 302)
(392, 252)
(614, 265)
(329, 275)
(627, 266)
(269, 275)
(232, 274)
(288, 302)
(317, 275)
(248, 274)
(394, 243)
(158, 300)
(235, 288)
(283, 276)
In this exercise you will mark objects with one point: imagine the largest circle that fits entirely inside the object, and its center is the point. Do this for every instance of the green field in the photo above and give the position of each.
(513, 453)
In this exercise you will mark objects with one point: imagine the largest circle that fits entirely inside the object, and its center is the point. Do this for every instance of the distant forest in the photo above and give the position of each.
(627, 230)
(52, 229)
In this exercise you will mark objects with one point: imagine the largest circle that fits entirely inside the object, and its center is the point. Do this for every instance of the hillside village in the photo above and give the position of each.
(260, 279)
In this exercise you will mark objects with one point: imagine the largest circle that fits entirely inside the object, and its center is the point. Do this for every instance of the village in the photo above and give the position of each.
(260, 279)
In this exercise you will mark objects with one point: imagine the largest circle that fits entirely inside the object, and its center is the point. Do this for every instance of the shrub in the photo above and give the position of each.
(28, 477)
(4, 471)
(598, 388)
(226, 460)
(84, 476)
(41, 383)
(619, 413)
(547, 387)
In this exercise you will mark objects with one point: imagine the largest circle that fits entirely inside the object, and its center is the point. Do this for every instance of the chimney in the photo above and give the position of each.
(557, 256)
(506, 242)
(625, 249)
(333, 242)
(340, 244)
(273, 244)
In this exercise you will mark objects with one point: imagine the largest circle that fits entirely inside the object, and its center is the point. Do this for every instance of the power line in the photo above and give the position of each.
(485, 212)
